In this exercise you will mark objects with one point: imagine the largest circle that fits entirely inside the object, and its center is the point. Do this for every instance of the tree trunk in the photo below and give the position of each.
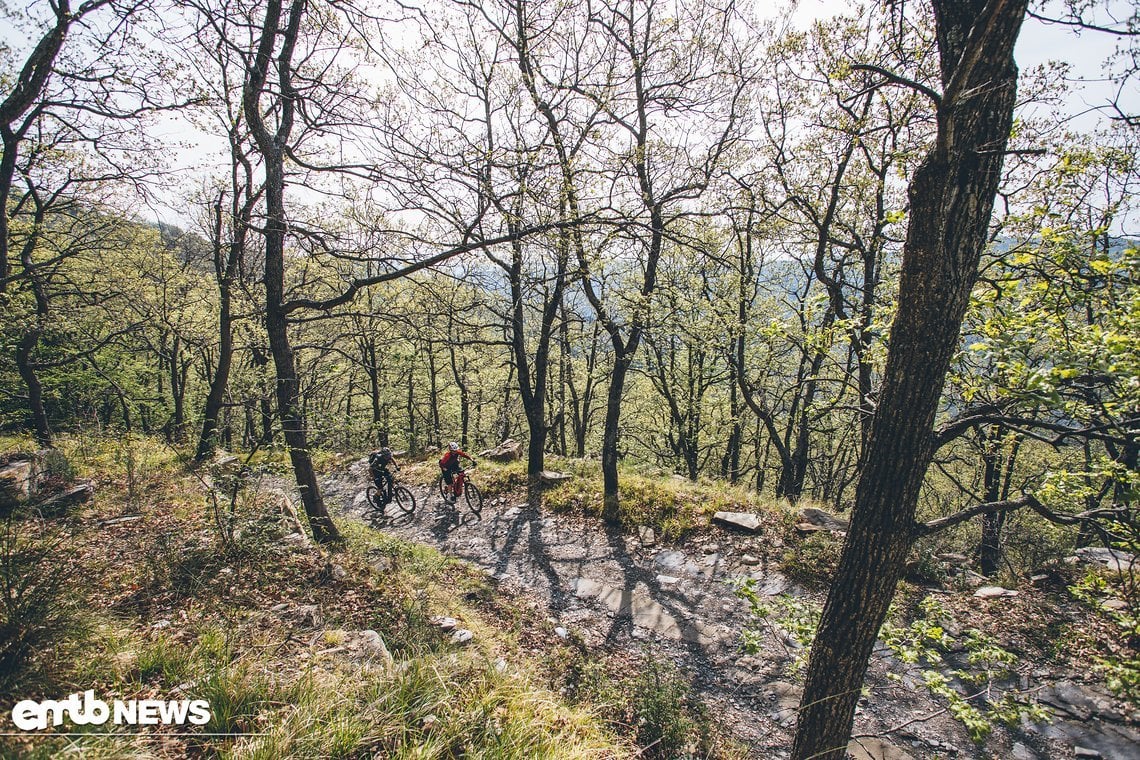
(272, 149)
(220, 379)
(951, 199)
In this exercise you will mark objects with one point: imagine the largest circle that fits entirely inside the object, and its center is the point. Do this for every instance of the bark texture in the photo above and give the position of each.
(951, 199)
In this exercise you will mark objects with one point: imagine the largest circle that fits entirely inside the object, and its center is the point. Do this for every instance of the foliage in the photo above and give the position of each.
(796, 617)
(973, 690)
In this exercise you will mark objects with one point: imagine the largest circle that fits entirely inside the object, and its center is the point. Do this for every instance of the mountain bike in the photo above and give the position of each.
(383, 491)
(470, 491)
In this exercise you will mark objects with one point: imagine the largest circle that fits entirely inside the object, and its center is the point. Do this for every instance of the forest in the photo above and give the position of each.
(862, 261)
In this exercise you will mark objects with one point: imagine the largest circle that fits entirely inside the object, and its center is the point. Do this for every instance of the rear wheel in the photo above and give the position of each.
(474, 498)
(405, 500)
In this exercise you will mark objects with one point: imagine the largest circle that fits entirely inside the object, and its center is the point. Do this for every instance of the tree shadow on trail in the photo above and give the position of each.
(530, 518)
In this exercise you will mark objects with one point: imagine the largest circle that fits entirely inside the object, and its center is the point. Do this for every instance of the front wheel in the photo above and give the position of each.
(375, 503)
(474, 498)
(444, 488)
(405, 500)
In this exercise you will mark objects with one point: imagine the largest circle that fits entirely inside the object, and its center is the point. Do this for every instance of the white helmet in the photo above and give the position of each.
(453, 446)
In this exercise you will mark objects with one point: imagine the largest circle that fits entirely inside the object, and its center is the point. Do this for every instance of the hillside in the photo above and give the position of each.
(582, 641)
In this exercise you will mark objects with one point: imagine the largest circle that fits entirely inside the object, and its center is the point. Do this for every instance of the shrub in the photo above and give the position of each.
(38, 611)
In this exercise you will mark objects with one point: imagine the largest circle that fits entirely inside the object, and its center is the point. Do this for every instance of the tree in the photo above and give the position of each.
(951, 199)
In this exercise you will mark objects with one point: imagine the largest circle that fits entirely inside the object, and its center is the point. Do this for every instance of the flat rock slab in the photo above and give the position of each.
(642, 609)
(875, 749)
(810, 520)
(740, 520)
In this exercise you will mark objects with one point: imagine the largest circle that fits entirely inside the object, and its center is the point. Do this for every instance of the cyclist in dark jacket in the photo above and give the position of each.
(378, 464)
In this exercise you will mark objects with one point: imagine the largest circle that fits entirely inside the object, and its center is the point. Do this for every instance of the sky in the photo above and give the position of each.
(1038, 43)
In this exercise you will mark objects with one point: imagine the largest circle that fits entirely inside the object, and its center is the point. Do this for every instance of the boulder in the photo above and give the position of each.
(17, 483)
(507, 451)
(993, 592)
(745, 521)
(1113, 559)
(810, 520)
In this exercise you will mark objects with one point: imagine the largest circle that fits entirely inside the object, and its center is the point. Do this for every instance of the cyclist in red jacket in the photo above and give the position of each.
(449, 463)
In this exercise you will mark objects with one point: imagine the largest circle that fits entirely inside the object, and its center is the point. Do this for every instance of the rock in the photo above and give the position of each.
(371, 645)
(710, 548)
(674, 562)
(561, 632)
(1021, 752)
(17, 482)
(875, 749)
(302, 615)
(552, 478)
(296, 540)
(668, 580)
(382, 564)
(1085, 752)
(647, 536)
(1113, 559)
(445, 623)
(507, 451)
(953, 559)
(336, 572)
(810, 520)
(993, 592)
(429, 722)
(461, 636)
(60, 503)
(740, 520)
(748, 559)
(1115, 605)
(120, 519)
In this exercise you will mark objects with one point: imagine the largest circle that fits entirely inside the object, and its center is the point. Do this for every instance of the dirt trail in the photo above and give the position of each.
(618, 594)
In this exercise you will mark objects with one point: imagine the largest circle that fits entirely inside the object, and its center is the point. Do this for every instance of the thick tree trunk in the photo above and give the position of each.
(951, 199)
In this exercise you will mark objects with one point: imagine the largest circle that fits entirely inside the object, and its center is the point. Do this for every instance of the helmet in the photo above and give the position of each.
(453, 446)
(385, 450)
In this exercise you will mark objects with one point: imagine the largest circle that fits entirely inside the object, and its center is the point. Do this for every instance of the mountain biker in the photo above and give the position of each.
(449, 463)
(378, 464)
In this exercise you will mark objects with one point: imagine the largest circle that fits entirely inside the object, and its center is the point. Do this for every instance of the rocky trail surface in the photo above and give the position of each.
(620, 592)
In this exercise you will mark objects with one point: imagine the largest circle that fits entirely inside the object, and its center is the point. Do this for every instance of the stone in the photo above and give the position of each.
(507, 451)
(369, 645)
(952, 559)
(552, 478)
(445, 623)
(336, 572)
(302, 615)
(811, 520)
(875, 749)
(745, 521)
(674, 562)
(1021, 752)
(748, 559)
(1113, 559)
(647, 536)
(120, 519)
(461, 636)
(17, 480)
(1115, 605)
(668, 580)
(993, 592)
(710, 548)
(561, 632)
(1085, 752)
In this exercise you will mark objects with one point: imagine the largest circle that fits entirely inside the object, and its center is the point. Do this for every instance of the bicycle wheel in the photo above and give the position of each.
(474, 498)
(443, 488)
(375, 504)
(405, 500)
